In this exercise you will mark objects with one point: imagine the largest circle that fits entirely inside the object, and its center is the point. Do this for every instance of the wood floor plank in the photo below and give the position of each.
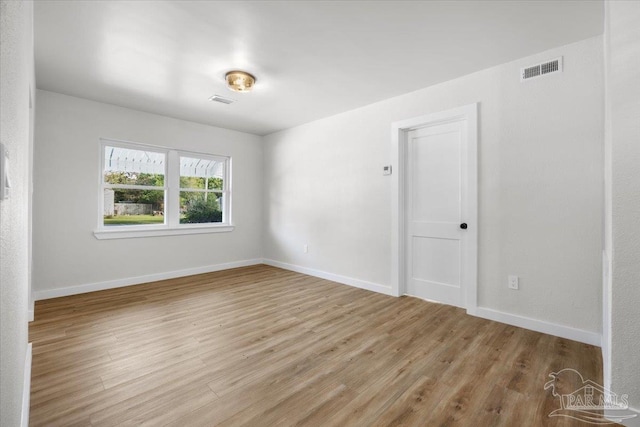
(261, 346)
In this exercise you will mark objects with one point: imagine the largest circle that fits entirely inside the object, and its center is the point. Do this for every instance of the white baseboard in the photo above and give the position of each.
(575, 334)
(362, 284)
(567, 332)
(631, 422)
(606, 363)
(111, 284)
(486, 313)
(635, 421)
(606, 321)
(26, 389)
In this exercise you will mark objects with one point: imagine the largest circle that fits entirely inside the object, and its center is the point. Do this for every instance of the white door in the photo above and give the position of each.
(437, 190)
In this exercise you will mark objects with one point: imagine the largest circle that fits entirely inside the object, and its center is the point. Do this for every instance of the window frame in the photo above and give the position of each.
(226, 187)
(171, 225)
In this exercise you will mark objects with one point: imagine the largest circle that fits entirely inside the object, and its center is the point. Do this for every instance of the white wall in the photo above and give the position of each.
(622, 229)
(66, 253)
(540, 186)
(16, 71)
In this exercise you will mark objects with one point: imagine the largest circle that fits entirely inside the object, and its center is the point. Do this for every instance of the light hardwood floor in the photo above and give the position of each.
(261, 346)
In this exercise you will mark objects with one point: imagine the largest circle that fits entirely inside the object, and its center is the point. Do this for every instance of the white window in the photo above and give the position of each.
(147, 191)
(133, 185)
(203, 192)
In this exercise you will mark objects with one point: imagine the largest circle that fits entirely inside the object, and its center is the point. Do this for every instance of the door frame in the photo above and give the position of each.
(399, 132)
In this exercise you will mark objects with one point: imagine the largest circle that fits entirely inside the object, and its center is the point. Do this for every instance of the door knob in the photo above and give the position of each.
(463, 225)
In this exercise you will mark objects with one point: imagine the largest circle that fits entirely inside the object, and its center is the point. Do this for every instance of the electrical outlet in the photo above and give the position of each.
(305, 248)
(514, 282)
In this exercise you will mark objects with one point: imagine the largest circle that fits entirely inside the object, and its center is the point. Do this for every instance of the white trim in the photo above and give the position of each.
(345, 280)
(469, 114)
(226, 181)
(26, 388)
(555, 329)
(118, 283)
(171, 191)
(104, 142)
(125, 232)
(486, 313)
(606, 321)
(31, 309)
(630, 422)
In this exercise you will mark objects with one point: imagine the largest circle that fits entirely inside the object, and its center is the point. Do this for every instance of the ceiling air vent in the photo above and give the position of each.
(539, 70)
(222, 99)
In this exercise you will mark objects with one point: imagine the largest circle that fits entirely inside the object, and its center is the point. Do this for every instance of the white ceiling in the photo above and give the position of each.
(312, 59)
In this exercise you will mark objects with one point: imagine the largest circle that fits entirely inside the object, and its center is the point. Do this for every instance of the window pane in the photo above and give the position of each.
(201, 173)
(200, 207)
(133, 207)
(133, 167)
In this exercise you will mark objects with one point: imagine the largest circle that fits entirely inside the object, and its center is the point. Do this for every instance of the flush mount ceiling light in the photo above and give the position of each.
(240, 81)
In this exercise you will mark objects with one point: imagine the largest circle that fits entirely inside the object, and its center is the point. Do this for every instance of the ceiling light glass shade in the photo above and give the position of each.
(240, 81)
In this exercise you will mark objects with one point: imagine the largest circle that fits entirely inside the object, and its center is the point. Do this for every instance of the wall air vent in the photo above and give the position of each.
(222, 99)
(539, 70)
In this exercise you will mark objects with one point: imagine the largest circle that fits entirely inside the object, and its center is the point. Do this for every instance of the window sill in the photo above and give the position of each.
(128, 233)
